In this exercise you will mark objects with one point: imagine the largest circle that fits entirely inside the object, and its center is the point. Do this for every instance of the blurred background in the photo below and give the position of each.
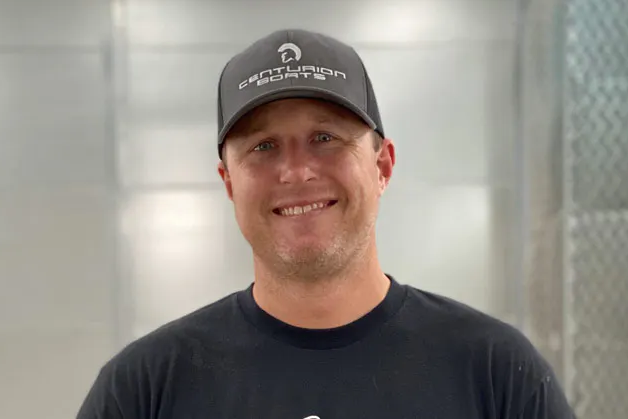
(510, 193)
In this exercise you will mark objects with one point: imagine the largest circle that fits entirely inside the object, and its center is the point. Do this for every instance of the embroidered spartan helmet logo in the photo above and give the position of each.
(289, 52)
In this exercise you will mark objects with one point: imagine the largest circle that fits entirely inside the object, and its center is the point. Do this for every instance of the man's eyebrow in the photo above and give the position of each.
(340, 124)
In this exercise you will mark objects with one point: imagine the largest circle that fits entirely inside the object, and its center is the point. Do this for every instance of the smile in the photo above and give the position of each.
(296, 210)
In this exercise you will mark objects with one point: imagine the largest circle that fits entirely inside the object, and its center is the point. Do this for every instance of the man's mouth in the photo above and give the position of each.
(296, 210)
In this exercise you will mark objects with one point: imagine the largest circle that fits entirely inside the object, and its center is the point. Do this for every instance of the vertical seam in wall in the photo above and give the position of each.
(109, 156)
(567, 204)
(521, 183)
(120, 299)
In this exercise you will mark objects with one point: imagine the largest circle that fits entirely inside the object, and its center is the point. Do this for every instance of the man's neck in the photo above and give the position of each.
(328, 303)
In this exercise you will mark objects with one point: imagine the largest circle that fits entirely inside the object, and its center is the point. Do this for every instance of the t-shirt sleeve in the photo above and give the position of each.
(547, 402)
(101, 401)
(523, 383)
(120, 391)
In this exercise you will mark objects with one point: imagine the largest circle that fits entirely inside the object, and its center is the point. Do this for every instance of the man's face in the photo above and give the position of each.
(305, 181)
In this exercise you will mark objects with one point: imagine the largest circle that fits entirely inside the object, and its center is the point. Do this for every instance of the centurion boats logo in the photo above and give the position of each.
(289, 52)
(290, 55)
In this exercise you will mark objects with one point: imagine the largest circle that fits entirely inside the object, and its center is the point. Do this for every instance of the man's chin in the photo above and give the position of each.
(309, 264)
(303, 256)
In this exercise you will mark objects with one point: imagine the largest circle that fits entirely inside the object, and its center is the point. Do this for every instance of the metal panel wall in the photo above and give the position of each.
(57, 205)
(574, 124)
(596, 204)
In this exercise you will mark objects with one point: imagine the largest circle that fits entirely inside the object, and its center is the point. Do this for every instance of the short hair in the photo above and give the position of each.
(378, 140)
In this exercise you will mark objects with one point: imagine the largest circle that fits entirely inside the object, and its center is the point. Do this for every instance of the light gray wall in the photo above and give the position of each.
(112, 216)
(540, 129)
(57, 219)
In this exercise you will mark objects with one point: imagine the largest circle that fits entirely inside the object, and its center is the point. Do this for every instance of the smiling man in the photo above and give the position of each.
(322, 332)
(305, 177)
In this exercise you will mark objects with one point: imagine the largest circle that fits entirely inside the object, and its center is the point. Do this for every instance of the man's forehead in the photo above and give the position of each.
(316, 111)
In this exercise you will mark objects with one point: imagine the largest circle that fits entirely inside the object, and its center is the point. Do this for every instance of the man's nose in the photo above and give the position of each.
(296, 165)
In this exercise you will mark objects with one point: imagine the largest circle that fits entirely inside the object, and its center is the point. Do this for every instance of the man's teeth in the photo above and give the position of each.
(303, 210)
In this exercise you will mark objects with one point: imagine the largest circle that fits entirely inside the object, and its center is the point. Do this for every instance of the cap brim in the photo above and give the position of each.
(294, 92)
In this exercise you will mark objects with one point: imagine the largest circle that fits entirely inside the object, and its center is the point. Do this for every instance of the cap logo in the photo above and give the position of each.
(289, 52)
(290, 55)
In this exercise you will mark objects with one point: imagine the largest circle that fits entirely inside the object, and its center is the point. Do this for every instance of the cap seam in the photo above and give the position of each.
(290, 38)
(364, 84)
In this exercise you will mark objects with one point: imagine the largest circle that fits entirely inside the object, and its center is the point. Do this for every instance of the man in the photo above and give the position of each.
(322, 332)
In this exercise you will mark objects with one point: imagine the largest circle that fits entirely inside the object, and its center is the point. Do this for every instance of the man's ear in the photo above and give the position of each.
(226, 178)
(385, 163)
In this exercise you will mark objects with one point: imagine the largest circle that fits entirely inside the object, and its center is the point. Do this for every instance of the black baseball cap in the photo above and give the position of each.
(295, 63)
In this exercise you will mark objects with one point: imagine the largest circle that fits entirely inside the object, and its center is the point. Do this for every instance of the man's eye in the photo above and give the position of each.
(266, 145)
(324, 137)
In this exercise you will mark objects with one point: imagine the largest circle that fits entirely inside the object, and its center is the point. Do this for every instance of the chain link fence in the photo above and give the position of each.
(596, 205)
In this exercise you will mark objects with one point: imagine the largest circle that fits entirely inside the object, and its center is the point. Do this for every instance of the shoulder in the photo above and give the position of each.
(506, 365)
(126, 382)
(451, 318)
(153, 353)
(204, 325)
(456, 320)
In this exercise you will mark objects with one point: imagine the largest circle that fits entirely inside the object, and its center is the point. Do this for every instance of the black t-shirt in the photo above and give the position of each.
(416, 355)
